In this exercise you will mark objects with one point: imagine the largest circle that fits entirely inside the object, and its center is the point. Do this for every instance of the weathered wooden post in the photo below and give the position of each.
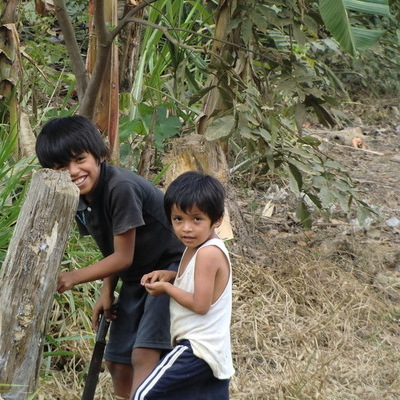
(29, 276)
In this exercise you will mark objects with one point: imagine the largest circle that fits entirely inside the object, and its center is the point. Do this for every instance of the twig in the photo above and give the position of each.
(378, 153)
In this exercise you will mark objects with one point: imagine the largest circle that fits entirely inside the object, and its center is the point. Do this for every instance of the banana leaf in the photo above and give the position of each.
(336, 18)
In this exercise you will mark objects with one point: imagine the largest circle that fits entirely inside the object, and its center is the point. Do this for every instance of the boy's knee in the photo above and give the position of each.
(119, 371)
(142, 357)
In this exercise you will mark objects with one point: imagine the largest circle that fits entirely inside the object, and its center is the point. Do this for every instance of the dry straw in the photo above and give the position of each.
(309, 322)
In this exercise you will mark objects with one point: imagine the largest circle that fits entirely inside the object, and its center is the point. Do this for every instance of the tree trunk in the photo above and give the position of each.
(213, 102)
(230, 72)
(194, 152)
(29, 276)
(106, 113)
(130, 38)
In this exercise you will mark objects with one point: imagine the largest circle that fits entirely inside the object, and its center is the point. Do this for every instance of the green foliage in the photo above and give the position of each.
(167, 71)
(47, 79)
(265, 114)
(291, 59)
(375, 71)
(13, 182)
(352, 38)
(154, 121)
(153, 124)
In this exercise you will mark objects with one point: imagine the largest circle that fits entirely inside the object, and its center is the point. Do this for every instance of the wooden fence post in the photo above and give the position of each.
(29, 276)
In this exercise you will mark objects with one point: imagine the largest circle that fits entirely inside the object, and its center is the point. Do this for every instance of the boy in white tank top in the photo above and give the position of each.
(200, 365)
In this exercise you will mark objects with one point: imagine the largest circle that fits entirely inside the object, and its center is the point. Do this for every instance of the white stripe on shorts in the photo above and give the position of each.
(158, 372)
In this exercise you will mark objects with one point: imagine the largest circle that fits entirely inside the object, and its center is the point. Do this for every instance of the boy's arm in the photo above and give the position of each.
(124, 247)
(211, 268)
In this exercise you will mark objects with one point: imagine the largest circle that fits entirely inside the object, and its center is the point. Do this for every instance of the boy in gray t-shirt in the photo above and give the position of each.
(124, 214)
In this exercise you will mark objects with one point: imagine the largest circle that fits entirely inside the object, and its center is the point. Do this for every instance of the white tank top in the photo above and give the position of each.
(209, 334)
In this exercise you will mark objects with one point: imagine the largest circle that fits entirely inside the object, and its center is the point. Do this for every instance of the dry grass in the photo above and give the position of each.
(309, 322)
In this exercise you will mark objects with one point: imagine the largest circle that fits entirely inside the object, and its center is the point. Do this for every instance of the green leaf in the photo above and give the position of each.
(232, 24)
(303, 214)
(128, 127)
(165, 128)
(364, 38)
(335, 165)
(161, 174)
(306, 168)
(326, 196)
(309, 140)
(335, 17)
(295, 179)
(260, 21)
(343, 201)
(315, 199)
(300, 116)
(377, 7)
(200, 94)
(220, 127)
(247, 27)
(264, 134)
(336, 20)
(248, 133)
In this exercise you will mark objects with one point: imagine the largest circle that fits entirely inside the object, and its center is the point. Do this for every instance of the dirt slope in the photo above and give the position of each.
(316, 314)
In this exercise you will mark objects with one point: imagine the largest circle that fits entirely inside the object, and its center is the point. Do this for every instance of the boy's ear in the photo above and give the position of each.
(218, 222)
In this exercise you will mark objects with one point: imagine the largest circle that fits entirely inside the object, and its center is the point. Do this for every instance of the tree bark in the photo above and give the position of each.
(194, 152)
(77, 63)
(29, 276)
(106, 110)
(8, 10)
(130, 37)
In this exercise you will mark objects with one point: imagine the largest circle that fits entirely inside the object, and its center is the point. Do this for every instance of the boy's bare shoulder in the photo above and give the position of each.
(211, 251)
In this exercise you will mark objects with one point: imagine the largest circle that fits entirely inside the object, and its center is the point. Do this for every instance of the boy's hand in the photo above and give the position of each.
(158, 276)
(157, 288)
(65, 281)
(104, 304)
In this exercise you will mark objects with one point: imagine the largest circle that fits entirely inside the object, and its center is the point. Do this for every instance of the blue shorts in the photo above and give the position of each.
(180, 375)
(142, 321)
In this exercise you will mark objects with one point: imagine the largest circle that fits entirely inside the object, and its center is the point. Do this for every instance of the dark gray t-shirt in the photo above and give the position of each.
(123, 201)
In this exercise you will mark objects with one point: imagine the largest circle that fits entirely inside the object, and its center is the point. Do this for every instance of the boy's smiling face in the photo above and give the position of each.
(85, 173)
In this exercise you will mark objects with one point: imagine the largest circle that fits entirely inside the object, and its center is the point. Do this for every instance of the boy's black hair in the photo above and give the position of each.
(62, 139)
(194, 188)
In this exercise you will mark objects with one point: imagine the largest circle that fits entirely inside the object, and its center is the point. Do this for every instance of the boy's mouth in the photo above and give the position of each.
(80, 180)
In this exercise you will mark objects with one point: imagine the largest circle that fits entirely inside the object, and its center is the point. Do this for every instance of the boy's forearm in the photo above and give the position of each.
(185, 299)
(105, 269)
(109, 284)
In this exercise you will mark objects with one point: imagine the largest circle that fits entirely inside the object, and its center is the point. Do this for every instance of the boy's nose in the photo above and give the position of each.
(187, 227)
(73, 169)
